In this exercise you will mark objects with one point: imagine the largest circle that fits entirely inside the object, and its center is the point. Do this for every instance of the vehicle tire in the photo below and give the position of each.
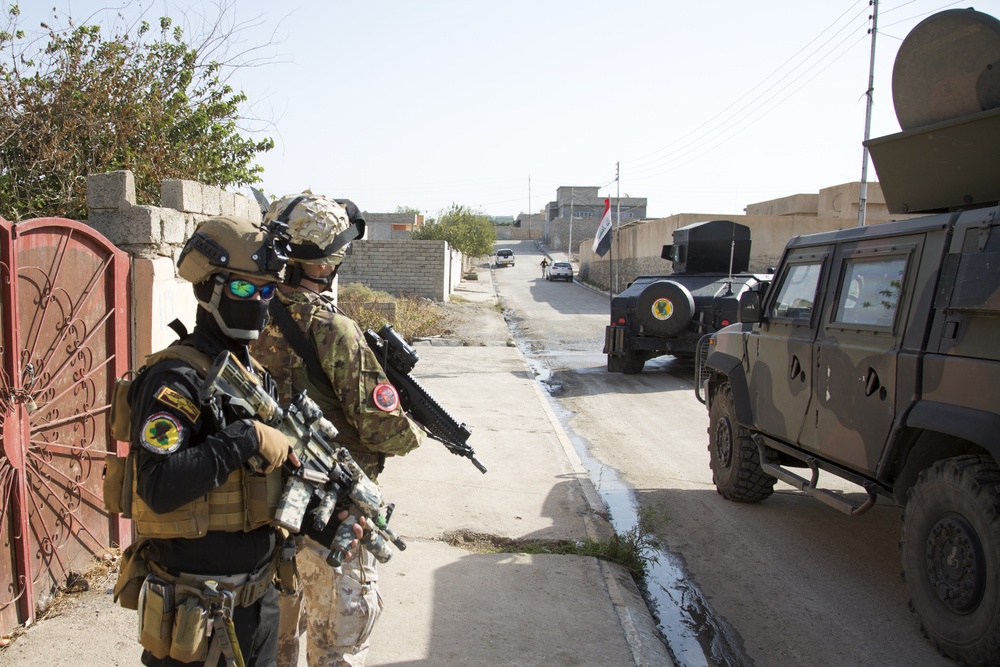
(733, 456)
(951, 557)
(664, 308)
(633, 364)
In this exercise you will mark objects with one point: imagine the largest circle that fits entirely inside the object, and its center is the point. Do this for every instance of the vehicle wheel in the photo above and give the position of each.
(951, 557)
(633, 364)
(733, 456)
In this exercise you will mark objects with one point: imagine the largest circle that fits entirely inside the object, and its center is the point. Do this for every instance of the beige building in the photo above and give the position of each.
(772, 223)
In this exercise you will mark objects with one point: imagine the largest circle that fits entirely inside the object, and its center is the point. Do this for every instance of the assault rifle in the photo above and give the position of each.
(398, 359)
(327, 478)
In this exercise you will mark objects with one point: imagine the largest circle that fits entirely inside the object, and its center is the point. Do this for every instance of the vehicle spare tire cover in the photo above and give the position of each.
(664, 308)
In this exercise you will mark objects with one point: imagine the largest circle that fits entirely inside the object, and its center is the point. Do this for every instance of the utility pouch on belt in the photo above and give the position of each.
(191, 620)
(156, 616)
(132, 573)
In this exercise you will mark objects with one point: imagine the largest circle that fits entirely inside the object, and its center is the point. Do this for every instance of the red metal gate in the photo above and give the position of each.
(63, 340)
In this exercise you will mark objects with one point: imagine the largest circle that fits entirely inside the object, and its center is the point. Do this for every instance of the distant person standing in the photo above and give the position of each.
(545, 265)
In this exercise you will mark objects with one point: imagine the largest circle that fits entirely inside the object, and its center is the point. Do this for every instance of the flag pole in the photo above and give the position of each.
(618, 215)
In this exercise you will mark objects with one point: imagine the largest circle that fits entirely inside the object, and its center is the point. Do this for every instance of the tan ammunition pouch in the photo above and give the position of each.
(118, 472)
(120, 413)
(175, 612)
(242, 503)
(132, 572)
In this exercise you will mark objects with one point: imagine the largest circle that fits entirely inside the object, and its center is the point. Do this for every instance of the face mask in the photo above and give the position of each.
(241, 319)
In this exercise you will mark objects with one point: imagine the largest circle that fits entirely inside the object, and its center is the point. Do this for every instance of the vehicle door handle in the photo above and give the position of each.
(871, 383)
(795, 371)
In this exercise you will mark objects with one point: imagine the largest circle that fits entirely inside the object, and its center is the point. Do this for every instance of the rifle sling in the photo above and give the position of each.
(300, 345)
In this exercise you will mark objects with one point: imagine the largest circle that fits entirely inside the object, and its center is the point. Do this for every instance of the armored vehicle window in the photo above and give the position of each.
(797, 292)
(869, 292)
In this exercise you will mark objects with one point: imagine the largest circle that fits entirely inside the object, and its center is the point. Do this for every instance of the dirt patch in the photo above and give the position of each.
(474, 323)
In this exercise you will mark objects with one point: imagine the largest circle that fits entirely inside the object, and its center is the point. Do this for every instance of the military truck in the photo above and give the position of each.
(874, 356)
(667, 314)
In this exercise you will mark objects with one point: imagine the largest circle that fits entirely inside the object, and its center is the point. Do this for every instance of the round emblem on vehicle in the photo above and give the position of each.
(662, 309)
(386, 397)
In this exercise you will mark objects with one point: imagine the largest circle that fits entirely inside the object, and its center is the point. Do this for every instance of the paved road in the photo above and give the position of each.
(785, 582)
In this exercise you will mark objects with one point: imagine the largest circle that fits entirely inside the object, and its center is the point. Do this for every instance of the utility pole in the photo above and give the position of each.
(569, 246)
(863, 201)
(529, 207)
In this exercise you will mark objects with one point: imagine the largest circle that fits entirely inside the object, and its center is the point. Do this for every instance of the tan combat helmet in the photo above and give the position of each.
(226, 248)
(320, 230)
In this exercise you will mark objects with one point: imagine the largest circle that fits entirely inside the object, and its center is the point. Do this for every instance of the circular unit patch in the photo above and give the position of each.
(161, 433)
(662, 309)
(385, 396)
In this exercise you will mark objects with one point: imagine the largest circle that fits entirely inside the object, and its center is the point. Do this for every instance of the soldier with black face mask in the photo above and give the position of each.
(201, 514)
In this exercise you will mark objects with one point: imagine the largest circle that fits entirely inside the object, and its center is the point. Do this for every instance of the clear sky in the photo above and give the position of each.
(705, 106)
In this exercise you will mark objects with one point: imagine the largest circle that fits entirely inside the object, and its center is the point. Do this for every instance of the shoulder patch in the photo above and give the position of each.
(161, 433)
(385, 396)
(178, 402)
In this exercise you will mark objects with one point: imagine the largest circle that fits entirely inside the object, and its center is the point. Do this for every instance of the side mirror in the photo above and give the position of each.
(750, 307)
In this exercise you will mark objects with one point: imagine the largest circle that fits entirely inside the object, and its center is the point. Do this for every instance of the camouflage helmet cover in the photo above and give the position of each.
(237, 246)
(317, 226)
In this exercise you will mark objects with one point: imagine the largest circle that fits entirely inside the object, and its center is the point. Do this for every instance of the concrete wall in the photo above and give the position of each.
(403, 268)
(637, 246)
(154, 236)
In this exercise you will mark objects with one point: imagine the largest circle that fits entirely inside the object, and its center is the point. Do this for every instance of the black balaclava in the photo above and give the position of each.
(239, 319)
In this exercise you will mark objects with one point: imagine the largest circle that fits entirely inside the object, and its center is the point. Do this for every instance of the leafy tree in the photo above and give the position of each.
(74, 102)
(465, 229)
(407, 209)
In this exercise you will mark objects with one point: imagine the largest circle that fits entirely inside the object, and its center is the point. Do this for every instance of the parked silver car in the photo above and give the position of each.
(560, 271)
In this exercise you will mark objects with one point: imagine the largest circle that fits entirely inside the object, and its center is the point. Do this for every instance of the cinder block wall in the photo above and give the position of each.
(403, 267)
(154, 236)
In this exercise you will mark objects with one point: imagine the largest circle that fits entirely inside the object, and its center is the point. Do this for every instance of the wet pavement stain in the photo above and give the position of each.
(695, 636)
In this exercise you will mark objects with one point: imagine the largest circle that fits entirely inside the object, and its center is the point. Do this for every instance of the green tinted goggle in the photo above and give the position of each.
(246, 289)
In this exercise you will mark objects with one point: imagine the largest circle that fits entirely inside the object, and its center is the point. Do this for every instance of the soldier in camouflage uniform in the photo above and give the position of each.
(341, 604)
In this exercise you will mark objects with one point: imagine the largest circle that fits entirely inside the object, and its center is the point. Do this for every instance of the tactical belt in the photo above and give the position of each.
(246, 589)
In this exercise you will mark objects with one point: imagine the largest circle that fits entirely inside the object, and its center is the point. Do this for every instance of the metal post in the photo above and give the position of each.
(529, 207)
(569, 245)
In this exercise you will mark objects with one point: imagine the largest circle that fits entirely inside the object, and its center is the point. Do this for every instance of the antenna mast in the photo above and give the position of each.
(862, 202)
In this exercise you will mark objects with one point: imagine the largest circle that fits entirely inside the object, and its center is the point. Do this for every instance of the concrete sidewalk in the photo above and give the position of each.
(446, 605)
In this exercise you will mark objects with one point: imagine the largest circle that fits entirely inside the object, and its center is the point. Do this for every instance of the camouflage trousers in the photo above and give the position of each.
(336, 608)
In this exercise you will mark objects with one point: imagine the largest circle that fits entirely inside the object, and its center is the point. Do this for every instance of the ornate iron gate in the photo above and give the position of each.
(63, 339)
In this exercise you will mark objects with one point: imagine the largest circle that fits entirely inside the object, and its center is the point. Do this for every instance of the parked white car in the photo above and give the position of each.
(560, 271)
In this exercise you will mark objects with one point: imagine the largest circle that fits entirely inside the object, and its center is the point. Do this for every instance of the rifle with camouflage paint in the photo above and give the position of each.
(327, 478)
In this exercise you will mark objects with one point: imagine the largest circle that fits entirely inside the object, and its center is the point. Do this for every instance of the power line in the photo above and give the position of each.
(639, 161)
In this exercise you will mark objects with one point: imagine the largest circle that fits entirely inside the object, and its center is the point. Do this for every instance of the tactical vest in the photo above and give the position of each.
(242, 503)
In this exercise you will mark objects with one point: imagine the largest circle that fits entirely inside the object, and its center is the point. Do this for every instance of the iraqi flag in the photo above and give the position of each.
(602, 242)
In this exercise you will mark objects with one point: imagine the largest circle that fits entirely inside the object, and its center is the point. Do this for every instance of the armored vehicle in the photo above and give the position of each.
(873, 355)
(667, 314)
